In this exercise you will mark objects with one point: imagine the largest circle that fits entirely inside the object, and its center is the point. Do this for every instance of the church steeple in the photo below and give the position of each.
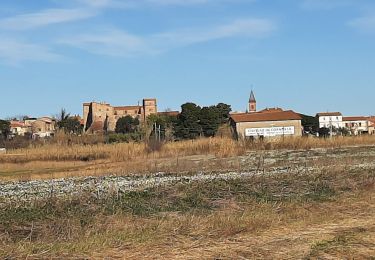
(252, 103)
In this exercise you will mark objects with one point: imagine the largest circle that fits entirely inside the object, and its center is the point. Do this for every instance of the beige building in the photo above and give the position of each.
(19, 128)
(371, 128)
(43, 127)
(98, 117)
(358, 125)
(272, 122)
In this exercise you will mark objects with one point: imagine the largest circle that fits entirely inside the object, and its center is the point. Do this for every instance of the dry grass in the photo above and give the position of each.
(64, 160)
(220, 147)
(322, 214)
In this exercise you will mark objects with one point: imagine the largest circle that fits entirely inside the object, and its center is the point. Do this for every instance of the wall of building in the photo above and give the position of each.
(107, 114)
(241, 127)
(356, 127)
(327, 121)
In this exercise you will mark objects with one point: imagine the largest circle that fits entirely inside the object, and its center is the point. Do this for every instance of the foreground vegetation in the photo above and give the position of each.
(272, 216)
(321, 205)
(89, 156)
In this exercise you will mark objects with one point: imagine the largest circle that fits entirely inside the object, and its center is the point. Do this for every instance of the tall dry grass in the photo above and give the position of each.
(219, 147)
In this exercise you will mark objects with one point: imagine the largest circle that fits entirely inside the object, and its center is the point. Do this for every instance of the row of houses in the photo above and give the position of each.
(272, 122)
(34, 127)
(355, 124)
(269, 122)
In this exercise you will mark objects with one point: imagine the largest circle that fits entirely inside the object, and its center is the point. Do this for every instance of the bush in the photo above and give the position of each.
(124, 138)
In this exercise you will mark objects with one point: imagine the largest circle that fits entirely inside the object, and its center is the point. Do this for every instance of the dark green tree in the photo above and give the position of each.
(223, 111)
(71, 125)
(165, 122)
(4, 129)
(127, 125)
(210, 120)
(188, 122)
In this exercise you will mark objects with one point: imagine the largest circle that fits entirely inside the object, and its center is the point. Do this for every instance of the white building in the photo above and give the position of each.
(357, 124)
(330, 119)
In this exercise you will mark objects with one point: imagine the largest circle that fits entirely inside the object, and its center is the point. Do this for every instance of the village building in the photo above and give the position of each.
(330, 119)
(270, 122)
(101, 117)
(43, 127)
(19, 128)
(358, 125)
(371, 128)
(35, 127)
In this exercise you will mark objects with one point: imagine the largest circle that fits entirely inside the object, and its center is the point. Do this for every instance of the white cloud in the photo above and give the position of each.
(365, 24)
(238, 28)
(119, 43)
(110, 42)
(14, 52)
(44, 18)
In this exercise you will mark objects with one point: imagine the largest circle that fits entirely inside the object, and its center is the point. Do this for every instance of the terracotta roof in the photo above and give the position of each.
(271, 110)
(355, 118)
(329, 114)
(149, 99)
(127, 107)
(261, 116)
(86, 104)
(169, 113)
(17, 124)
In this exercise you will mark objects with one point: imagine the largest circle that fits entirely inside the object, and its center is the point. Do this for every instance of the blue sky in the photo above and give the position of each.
(305, 55)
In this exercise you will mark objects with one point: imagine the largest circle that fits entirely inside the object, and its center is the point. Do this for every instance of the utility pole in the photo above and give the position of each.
(330, 126)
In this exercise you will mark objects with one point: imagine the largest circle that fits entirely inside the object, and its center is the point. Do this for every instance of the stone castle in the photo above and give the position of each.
(101, 116)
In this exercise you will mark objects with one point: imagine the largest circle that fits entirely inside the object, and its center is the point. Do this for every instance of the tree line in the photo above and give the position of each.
(194, 121)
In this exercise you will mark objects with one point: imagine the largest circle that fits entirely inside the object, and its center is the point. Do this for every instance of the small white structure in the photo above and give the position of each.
(357, 124)
(330, 119)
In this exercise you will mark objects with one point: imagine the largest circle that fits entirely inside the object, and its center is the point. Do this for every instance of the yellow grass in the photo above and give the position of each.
(219, 147)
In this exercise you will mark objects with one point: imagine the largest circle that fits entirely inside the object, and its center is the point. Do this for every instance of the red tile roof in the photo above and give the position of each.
(271, 110)
(17, 124)
(127, 107)
(355, 118)
(329, 114)
(266, 116)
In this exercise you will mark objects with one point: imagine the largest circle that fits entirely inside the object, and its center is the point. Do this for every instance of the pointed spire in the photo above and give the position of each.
(252, 97)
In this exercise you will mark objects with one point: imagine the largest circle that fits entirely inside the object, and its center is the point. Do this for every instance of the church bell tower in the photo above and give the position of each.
(252, 103)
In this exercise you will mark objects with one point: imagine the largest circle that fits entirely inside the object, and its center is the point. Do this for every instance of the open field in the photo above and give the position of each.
(61, 160)
(203, 200)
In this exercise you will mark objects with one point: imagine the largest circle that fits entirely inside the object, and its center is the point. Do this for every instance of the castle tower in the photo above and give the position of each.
(252, 103)
(149, 107)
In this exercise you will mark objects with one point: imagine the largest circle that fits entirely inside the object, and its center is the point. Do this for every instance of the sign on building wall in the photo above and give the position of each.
(270, 131)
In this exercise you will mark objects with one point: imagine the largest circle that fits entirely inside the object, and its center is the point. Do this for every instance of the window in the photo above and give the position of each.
(360, 124)
(337, 118)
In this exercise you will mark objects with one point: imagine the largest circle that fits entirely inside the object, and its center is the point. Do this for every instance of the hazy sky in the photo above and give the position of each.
(305, 55)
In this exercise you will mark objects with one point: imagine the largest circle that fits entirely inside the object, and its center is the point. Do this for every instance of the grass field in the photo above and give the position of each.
(306, 199)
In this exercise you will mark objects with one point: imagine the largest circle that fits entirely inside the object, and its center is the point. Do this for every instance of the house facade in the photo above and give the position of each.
(330, 119)
(19, 128)
(270, 122)
(358, 125)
